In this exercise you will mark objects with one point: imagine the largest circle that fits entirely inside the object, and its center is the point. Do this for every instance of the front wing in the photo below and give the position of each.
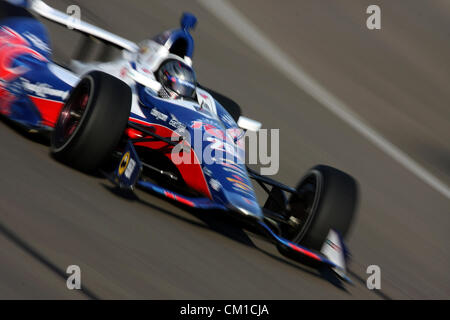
(127, 176)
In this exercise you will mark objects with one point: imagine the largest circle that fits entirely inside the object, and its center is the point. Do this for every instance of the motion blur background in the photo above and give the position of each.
(395, 79)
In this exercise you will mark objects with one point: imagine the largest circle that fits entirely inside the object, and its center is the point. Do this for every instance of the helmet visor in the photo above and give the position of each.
(178, 77)
(182, 87)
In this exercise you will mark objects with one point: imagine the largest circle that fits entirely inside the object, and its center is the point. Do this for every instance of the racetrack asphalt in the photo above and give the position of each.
(145, 247)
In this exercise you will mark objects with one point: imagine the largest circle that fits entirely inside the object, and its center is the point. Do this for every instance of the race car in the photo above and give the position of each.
(144, 121)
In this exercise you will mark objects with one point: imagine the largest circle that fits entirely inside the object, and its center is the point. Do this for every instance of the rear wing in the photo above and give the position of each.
(40, 8)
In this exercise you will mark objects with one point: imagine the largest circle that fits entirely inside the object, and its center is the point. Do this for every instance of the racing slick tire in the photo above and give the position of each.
(327, 200)
(92, 121)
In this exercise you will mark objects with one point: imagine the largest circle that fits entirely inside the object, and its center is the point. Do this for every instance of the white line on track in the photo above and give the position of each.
(251, 35)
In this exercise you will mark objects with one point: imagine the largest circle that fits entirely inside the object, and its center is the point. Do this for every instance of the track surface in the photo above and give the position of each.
(52, 216)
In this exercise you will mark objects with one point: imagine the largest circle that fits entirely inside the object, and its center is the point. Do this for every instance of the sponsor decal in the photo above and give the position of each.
(243, 191)
(176, 124)
(229, 170)
(227, 147)
(37, 42)
(239, 183)
(220, 142)
(241, 186)
(124, 163)
(333, 245)
(159, 115)
(130, 168)
(215, 184)
(43, 89)
(232, 167)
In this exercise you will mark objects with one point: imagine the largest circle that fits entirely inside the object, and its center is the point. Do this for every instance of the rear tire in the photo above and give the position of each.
(329, 201)
(92, 121)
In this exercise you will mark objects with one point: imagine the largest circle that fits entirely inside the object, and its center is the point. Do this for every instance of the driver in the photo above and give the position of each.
(176, 77)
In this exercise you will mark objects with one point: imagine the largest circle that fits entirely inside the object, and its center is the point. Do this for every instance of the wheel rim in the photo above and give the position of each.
(304, 206)
(72, 115)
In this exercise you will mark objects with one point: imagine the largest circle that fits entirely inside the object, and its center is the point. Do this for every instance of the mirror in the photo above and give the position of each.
(249, 124)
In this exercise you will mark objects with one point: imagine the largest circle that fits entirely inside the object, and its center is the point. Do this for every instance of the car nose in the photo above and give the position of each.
(245, 207)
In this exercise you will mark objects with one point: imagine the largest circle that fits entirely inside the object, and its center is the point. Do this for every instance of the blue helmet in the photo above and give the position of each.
(177, 78)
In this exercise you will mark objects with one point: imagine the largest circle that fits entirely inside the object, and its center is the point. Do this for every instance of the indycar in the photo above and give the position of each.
(105, 115)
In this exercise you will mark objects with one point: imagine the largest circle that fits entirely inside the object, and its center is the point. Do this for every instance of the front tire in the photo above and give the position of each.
(92, 121)
(328, 200)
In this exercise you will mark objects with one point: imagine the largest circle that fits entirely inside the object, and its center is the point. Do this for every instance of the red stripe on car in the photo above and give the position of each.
(49, 109)
(192, 172)
(305, 252)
